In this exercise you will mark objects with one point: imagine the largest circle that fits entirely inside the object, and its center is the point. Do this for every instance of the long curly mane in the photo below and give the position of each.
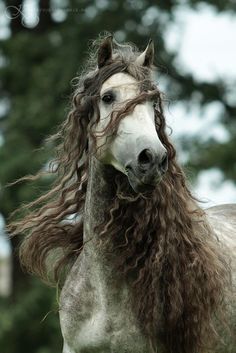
(162, 242)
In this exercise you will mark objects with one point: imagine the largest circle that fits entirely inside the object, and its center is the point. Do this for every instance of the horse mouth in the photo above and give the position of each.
(140, 186)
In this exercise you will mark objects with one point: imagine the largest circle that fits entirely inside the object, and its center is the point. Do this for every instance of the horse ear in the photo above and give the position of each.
(147, 57)
(105, 52)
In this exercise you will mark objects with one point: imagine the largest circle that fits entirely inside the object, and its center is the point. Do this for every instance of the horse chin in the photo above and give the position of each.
(141, 187)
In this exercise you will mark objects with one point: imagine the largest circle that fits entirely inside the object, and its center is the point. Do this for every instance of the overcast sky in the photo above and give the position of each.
(206, 43)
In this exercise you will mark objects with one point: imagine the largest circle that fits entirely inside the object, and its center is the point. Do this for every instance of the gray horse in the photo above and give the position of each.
(146, 269)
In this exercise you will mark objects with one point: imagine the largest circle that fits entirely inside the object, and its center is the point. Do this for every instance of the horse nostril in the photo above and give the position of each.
(128, 167)
(164, 163)
(145, 157)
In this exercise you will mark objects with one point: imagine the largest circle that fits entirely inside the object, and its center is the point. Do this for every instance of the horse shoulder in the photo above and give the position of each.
(222, 219)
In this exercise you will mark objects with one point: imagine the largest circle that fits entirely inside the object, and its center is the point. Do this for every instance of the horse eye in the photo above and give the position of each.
(108, 98)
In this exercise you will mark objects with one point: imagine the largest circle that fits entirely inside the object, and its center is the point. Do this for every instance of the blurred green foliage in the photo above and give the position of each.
(37, 67)
(30, 324)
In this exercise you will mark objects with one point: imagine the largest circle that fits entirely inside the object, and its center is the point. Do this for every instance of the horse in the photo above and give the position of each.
(141, 266)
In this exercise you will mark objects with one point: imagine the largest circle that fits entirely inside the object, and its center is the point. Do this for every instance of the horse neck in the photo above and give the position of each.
(98, 198)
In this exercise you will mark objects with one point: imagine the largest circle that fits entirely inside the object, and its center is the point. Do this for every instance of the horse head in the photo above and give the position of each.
(125, 128)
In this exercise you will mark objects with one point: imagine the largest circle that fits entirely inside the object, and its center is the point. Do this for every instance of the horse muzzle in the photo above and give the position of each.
(147, 171)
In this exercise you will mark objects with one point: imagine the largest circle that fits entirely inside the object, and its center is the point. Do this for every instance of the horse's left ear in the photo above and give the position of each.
(147, 57)
(105, 52)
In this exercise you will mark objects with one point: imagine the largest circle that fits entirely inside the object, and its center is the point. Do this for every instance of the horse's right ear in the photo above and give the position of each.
(105, 52)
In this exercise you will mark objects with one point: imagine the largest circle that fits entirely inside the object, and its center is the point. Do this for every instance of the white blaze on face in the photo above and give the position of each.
(133, 128)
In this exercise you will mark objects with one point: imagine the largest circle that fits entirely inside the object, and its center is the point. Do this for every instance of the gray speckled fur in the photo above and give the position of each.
(95, 308)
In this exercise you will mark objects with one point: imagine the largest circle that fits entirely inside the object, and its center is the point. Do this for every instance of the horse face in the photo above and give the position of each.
(136, 149)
